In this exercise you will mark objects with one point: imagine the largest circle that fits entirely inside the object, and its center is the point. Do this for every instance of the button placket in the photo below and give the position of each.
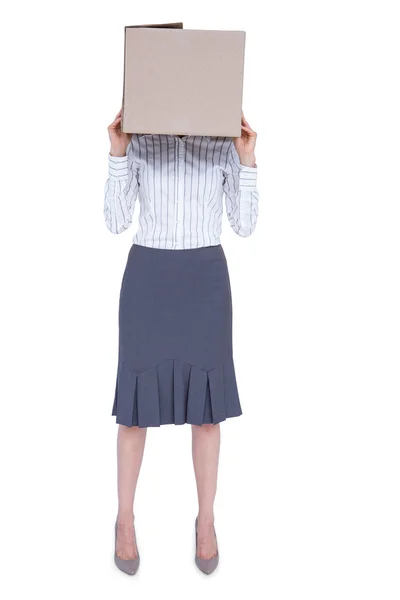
(176, 198)
(180, 146)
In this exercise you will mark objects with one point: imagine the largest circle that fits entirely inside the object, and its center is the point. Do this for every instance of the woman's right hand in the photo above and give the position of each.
(119, 140)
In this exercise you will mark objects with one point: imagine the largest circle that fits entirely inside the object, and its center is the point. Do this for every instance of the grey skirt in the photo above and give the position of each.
(175, 362)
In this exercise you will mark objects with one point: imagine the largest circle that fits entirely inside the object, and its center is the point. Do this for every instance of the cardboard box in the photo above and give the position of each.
(182, 81)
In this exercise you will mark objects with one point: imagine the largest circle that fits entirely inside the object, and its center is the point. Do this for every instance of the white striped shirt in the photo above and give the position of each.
(180, 183)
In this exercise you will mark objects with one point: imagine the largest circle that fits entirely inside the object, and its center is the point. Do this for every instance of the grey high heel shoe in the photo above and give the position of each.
(127, 566)
(207, 565)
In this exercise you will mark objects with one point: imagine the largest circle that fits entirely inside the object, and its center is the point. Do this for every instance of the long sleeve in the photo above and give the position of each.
(241, 194)
(120, 190)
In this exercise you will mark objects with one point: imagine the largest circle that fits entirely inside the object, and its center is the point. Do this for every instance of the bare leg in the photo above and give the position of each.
(206, 441)
(130, 448)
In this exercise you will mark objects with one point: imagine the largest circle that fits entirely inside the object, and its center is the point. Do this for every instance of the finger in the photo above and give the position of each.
(247, 129)
(120, 112)
(246, 123)
(116, 123)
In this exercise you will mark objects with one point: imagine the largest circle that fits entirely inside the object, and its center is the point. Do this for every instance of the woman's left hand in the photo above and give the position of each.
(245, 145)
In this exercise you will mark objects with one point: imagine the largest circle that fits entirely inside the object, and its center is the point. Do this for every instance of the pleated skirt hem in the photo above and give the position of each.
(175, 392)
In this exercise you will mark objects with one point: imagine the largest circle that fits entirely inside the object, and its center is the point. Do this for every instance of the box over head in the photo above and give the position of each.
(183, 81)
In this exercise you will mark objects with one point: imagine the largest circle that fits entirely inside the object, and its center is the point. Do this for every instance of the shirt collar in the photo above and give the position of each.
(208, 138)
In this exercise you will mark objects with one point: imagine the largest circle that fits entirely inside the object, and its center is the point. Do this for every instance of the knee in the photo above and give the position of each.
(206, 428)
(209, 427)
(125, 430)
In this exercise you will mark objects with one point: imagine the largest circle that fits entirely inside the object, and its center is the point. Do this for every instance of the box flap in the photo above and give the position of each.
(161, 25)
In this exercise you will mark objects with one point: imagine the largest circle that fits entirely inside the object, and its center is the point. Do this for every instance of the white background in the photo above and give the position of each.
(308, 498)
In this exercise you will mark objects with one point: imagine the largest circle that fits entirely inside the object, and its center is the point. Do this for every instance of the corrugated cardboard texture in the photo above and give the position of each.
(183, 81)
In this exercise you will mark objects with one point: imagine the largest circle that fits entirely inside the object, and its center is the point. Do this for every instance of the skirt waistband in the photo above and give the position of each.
(201, 254)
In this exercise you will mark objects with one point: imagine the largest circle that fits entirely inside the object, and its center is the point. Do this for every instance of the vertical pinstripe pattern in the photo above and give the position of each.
(180, 184)
(167, 207)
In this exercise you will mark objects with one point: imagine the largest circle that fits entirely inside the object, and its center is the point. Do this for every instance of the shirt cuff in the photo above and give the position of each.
(117, 167)
(247, 178)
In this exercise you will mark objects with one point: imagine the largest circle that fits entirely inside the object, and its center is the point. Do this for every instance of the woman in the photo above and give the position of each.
(175, 361)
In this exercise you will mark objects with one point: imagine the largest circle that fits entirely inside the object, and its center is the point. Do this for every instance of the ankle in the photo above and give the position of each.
(125, 517)
(205, 519)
